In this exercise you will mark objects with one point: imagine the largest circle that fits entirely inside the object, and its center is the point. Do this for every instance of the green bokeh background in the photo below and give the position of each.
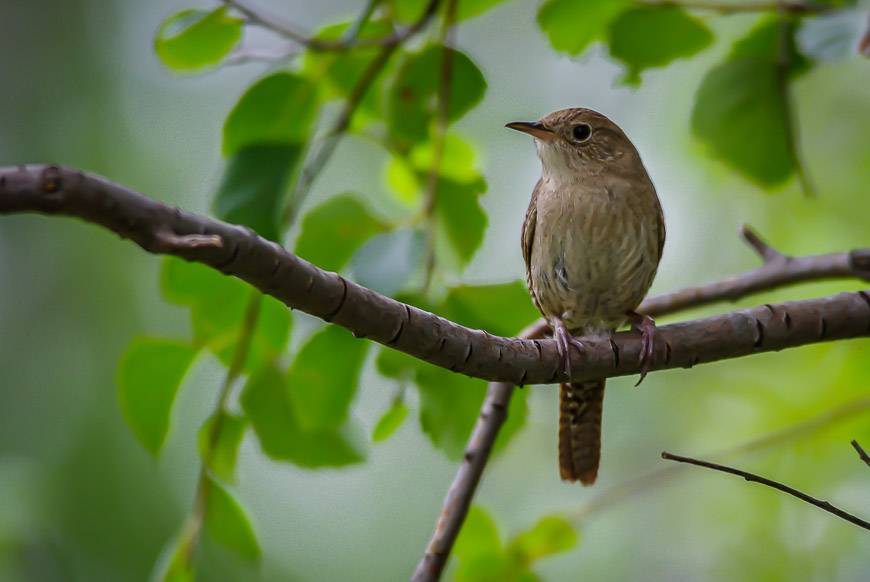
(80, 499)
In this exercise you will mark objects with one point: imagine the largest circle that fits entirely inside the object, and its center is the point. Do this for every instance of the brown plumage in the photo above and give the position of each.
(592, 240)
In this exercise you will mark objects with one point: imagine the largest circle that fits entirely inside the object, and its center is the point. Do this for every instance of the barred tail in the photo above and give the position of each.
(580, 408)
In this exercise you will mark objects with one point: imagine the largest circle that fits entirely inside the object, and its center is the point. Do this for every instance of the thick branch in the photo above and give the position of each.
(300, 285)
(774, 484)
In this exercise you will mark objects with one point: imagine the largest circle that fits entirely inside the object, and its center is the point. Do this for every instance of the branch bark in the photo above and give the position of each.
(777, 270)
(158, 228)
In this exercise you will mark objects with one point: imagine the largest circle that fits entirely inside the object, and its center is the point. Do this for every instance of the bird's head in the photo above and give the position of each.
(574, 143)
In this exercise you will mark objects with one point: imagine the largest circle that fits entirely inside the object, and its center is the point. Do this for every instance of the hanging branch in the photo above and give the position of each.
(743, 7)
(659, 477)
(324, 150)
(774, 484)
(777, 270)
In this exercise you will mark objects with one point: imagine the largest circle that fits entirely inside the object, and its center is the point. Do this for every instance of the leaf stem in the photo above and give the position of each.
(322, 152)
(193, 527)
(441, 123)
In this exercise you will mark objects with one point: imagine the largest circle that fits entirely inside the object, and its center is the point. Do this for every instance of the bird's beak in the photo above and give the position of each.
(533, 128)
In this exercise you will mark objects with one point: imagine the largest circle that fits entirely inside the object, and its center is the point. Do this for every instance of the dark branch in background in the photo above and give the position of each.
(777, 270)
(785, 35)
(300, 285)
(774, 484)
(649, 482)
(323, 152)
(257, 18)
(744, 7)
(193, 528)
(862, 454)
(441, 122)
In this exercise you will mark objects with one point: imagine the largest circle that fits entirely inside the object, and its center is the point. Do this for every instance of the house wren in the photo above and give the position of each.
(592, 240)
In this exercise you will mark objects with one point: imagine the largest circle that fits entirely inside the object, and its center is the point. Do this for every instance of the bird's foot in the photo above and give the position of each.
(564, 341)
(646, 325)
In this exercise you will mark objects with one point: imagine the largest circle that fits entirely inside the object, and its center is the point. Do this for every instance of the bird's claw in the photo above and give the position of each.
(564, 341)
(646, 325)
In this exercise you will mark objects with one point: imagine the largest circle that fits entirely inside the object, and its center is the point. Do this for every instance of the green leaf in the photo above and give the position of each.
(194, 39)
(149, 375)
(339, 72)
(323, 378)
(653, 36)
(471, 8)
(457, 163)
(266, 403)
(410, 10)
(479, 551)
(253, 187)
(461, 216)
(449, 405)
(412, 97)
(222, 459)
(390, 422)
(227, 522)
(334, 230)
(571, 25)
(277, 109)
(479, 534)
(551, 535)
(218, 304)
(402, 180)
(738, 110)
(395, 364)
(386, 261)
(501, 309)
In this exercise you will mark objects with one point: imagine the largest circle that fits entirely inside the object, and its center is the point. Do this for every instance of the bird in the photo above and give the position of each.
(592, 239)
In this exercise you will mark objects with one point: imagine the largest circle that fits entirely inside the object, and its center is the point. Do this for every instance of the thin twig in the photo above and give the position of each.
(651, 481)
(245, 56)
(771, 483)
(785, 30)
(323, 151)
(743, 7)
(441, 123)
(862, 454)
(193, 527)
(257, 18)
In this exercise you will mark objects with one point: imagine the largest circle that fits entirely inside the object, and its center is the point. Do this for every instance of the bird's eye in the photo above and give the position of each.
(581, 132)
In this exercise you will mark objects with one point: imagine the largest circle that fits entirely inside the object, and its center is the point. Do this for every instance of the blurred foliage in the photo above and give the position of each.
(483, 557)
(299, 398)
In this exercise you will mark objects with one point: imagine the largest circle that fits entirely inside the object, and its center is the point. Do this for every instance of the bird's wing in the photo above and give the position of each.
(528, 235)
(660, 224)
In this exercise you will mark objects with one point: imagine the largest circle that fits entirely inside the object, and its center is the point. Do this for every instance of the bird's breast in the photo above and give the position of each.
(594, 255)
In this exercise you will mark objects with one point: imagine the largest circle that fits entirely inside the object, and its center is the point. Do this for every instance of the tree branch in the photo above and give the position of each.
(774, 484)
(776, 271)
(349, 41)
(743, 7)
(301, 285)
(654, 479)
(862, 454)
